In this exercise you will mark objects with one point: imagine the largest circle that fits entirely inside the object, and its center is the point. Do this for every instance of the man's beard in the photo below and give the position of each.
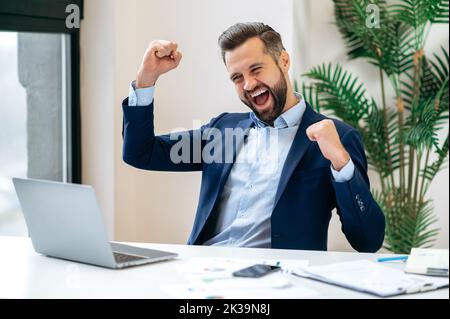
(278, 93)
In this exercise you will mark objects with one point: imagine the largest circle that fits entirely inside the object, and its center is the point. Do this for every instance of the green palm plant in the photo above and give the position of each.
(401, 134)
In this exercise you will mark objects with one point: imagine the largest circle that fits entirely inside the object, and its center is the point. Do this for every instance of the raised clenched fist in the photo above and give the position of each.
(160, 57)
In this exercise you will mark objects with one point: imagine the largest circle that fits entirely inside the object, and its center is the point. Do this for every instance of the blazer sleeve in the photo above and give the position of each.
(143, 150)
(363, 222)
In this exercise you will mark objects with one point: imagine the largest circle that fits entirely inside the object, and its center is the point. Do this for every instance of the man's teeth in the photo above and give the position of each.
(259, 92)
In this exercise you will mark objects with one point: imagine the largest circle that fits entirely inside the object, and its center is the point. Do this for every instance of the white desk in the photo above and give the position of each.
(25, 274)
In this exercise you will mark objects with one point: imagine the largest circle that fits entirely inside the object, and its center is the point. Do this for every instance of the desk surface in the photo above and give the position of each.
(25, 274)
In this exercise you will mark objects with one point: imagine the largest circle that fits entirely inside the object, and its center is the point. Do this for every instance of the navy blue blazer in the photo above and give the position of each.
(306, 193)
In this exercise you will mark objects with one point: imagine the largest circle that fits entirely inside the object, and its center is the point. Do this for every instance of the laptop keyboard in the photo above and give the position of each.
(123, 258)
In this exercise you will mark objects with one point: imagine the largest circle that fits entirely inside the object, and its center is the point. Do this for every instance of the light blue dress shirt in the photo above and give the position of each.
(246, 202)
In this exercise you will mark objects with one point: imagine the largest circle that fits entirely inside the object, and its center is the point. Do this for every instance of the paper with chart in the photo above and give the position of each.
(220, 265)
(217, 272)
(212, 278)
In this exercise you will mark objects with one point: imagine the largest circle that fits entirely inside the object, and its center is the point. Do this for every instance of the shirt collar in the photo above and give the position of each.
(290, 118)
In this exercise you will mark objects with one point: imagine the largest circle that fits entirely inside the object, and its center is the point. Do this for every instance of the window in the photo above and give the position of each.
(39, 106)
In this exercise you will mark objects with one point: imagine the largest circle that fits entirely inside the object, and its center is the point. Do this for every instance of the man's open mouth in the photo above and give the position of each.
(260, 97)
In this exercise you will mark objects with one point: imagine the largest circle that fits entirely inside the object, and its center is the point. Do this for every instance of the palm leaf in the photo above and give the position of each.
(431, 171)
(430, 113)
(341, 93)
(416, 13)
(351, 20)
(403, 230)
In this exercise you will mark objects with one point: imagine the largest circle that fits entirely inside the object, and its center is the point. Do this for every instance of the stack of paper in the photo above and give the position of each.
(428, 262)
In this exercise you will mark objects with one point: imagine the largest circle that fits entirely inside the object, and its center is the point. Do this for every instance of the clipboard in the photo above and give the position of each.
(370, 277)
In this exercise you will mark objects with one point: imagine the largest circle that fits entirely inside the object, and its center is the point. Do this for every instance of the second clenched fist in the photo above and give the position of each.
(160, 57)
(327, 137)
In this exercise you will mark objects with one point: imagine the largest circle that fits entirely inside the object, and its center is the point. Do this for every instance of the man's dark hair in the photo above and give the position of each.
(237, 34)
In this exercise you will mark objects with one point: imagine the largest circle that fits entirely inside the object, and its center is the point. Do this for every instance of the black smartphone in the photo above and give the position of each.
(256, 271)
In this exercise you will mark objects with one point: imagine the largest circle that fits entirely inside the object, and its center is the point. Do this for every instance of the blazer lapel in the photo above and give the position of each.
(299, 146)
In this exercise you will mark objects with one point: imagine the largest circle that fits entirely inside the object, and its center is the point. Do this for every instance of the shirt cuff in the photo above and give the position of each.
(140, 97)
(345, 174)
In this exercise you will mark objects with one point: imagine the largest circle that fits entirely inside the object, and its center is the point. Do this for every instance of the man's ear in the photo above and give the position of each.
(284, 61)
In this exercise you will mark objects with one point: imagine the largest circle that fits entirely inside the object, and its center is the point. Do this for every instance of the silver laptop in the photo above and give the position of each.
(64, 221)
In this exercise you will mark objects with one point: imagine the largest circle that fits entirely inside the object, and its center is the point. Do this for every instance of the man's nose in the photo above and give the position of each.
(249, 84)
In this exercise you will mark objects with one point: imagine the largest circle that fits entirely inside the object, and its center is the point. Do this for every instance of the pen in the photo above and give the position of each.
(392, 258)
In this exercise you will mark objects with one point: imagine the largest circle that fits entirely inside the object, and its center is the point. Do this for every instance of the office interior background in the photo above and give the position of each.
(144, 206)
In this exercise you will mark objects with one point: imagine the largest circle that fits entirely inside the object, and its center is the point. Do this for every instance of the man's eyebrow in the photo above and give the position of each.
(233, 75)
(254, 65)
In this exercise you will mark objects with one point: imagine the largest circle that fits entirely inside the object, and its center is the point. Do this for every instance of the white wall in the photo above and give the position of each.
(97, 103)
(160, 207)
